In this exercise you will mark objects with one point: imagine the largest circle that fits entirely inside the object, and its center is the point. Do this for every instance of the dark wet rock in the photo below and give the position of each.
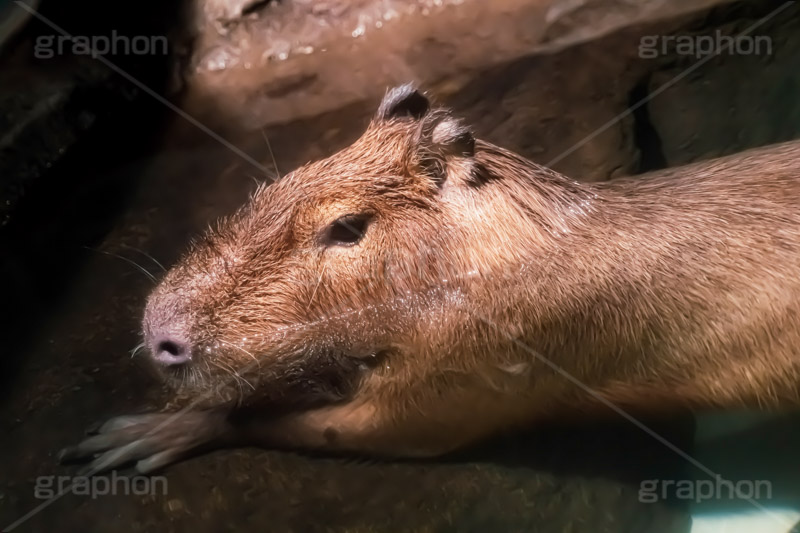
(42, 115)
(53, 93)
(711, 112)
(256, 64)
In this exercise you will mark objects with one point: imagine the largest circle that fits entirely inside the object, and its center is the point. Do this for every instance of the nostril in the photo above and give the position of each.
(172, 352)
(171, 347)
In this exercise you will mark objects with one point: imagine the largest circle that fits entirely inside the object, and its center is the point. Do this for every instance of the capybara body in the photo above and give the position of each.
(420, 290)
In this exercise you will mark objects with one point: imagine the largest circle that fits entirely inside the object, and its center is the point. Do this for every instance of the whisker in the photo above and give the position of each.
(269, 147)
(136, 349)
(319, 282)
(239, 379)
(233, 372)
(150, 257)
(242, 349)
(143, 270)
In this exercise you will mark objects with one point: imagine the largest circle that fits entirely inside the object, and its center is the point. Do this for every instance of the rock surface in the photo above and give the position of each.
(272, 62)
(712, 112)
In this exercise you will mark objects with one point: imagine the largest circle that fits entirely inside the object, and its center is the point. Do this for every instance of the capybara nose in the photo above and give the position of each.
(171, 351)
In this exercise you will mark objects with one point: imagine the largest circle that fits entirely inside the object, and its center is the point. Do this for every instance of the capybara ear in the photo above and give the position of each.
(451, 136)
(442, 139)
(403, 101)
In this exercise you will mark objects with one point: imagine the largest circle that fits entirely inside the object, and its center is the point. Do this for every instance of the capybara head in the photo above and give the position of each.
(346, 268)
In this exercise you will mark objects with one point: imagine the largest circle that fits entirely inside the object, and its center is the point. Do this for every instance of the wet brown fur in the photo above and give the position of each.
(478, 268)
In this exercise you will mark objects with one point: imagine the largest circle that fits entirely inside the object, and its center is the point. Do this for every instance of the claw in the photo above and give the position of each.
(67, 455)
(117, 457)
(158, 461)
(121, 422)
(94, 429)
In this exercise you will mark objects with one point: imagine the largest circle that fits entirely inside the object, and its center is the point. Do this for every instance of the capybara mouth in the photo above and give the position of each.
(292, 378)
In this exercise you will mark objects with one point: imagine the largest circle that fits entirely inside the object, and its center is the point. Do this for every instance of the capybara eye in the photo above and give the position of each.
(346, 230)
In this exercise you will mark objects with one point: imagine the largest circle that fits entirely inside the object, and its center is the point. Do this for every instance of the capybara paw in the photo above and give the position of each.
(150, 441)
